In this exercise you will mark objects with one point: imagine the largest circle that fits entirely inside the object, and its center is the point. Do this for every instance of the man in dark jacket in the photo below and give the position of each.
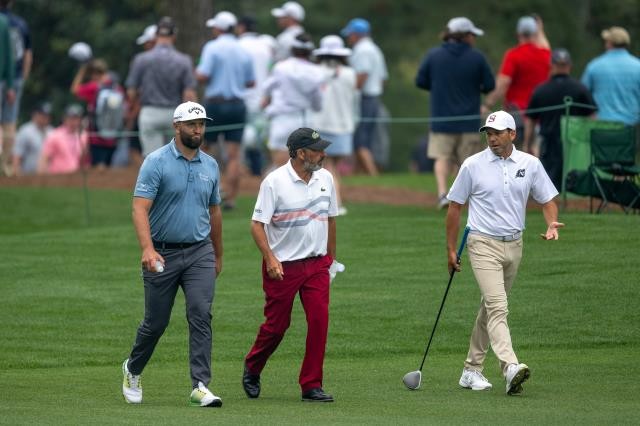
(456, 74)
(552, 93)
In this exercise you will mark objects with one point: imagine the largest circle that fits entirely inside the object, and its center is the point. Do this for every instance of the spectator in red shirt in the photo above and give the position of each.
(523, 68)
(90, 79)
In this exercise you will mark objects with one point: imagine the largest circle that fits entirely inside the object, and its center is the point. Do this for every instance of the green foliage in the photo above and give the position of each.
(405, 30)
(72, 299)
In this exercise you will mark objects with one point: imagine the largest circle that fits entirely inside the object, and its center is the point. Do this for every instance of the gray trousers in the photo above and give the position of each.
(193, 269)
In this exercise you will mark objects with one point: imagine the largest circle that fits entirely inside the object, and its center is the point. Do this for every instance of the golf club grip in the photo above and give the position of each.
(462, 243)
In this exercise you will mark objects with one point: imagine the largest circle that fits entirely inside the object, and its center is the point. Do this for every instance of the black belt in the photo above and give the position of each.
(222, 100)
(162, 245)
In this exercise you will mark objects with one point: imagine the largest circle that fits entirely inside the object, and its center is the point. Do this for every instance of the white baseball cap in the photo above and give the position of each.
(463, 25)
(148, 34)
(291, 9)
(223, 21)
(499, 120)
(332, 45)
(80, 51)
(190, 111)
(527, 25)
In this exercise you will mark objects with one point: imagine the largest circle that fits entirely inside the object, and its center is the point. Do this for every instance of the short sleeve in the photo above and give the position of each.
(461, 188)
(542, 189)
(265, 204)
(508, 66)
(207, 61)
(149, 178)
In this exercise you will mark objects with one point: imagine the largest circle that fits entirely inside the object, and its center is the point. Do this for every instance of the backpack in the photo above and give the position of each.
(109, 113)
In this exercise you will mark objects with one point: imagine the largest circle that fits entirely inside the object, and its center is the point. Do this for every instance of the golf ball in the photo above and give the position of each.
(159, 266)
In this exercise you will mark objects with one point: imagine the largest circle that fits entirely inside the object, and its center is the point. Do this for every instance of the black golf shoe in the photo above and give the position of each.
(251, 383)
(316, 395)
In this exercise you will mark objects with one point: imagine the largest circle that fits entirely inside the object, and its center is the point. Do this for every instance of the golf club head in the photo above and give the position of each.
(412, 380)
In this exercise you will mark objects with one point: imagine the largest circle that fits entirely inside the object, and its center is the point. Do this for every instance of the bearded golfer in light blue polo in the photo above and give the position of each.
(177, 218)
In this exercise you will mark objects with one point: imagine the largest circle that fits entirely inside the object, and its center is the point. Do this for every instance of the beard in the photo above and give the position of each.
(311, 167)
(192, 142)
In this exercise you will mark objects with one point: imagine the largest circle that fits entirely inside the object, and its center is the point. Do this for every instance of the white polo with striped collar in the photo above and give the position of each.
(295, 213)
(498, 190)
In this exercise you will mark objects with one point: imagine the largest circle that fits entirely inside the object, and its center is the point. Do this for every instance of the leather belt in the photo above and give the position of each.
(162, 245)
(505, 238)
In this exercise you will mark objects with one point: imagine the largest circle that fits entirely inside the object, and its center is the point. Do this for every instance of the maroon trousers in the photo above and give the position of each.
(309, 278)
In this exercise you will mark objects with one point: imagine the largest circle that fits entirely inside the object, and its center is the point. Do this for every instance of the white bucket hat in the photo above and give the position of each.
(332, 45)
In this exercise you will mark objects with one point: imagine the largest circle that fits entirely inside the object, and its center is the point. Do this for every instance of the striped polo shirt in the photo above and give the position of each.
(295, 213)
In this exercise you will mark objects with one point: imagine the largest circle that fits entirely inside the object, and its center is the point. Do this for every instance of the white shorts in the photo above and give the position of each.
(281, 127)
(341, 144)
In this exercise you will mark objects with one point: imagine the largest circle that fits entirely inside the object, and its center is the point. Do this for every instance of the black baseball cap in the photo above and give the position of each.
(43, 108)
(560, 56)
(305, 137)
(166, 26)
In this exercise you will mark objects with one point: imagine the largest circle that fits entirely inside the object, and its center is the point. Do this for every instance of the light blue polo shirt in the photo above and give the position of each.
(228, 66)
(182, 192)
(614, 81)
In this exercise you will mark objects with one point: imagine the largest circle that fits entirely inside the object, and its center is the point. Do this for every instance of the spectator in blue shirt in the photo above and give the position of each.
(614, 79)
(227, 70)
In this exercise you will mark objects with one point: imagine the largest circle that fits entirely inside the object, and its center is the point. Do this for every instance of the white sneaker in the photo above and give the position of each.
(202, 397)
(474, 380)
(516, 375)
(131, 385)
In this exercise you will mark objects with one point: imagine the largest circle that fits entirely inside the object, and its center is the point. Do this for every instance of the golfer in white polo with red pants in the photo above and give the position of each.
(497, 183)
(293, 225)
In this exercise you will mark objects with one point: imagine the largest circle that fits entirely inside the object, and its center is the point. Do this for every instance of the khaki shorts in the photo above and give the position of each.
(455, 147)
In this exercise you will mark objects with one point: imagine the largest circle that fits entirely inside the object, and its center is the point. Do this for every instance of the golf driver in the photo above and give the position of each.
(413, 379)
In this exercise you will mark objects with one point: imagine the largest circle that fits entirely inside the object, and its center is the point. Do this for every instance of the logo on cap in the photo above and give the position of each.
(492, 118)
(195, 109)
(315, 135)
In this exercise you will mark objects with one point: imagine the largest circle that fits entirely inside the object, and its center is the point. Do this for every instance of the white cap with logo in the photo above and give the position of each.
(190, 111)
(499, 120)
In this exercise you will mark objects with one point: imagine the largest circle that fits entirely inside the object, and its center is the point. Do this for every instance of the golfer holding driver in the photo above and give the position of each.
(497, 183)
(178, 221)
(294, 227)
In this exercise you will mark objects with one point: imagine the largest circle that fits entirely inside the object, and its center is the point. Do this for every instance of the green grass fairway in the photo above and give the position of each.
(72, 298)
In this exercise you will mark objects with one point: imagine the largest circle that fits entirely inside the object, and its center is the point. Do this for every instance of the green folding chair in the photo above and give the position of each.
(613, 168)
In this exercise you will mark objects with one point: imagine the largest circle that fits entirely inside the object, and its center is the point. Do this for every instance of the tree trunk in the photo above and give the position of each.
(190, 17)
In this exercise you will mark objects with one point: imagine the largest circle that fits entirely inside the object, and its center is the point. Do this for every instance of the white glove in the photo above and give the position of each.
(334, 269)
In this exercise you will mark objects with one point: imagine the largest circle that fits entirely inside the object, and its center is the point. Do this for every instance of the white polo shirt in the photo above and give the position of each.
(498, 190)
(295, 213)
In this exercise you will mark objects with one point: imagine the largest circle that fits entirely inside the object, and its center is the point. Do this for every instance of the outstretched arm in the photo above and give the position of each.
(550, 213)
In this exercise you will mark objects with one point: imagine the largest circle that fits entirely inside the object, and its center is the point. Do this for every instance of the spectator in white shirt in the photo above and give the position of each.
(290, 16)
(292, 92)
(336, 120)
(368, 61)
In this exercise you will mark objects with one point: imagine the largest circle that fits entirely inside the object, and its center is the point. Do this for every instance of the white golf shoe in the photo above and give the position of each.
(202, 397)
(131, 385)
(474, 380)
(516, 375)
